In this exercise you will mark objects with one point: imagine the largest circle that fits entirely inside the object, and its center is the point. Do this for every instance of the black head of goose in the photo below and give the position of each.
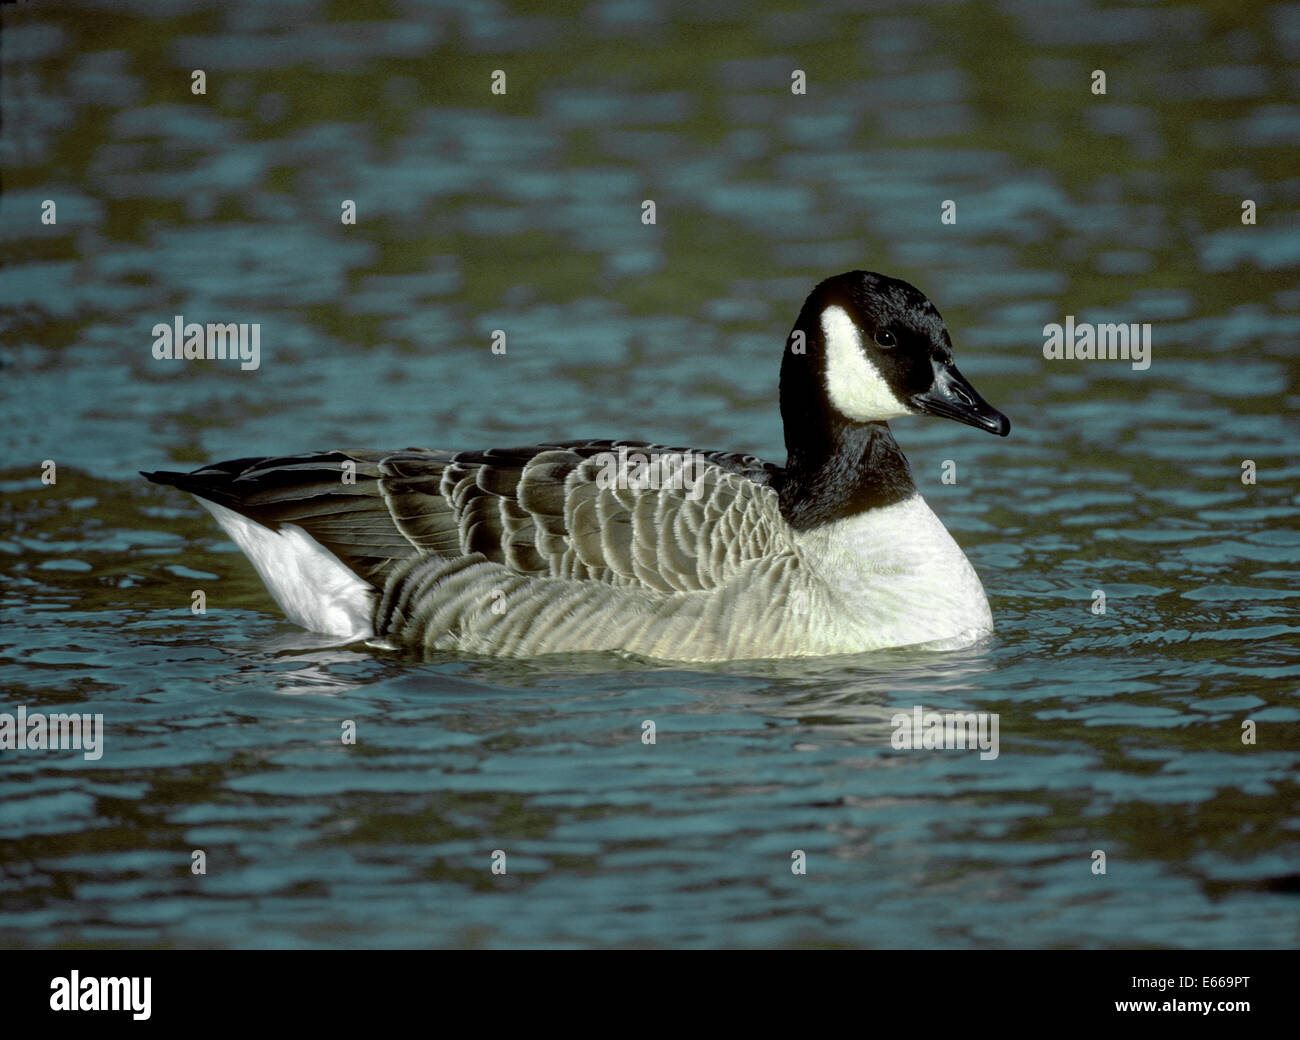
(698, 556)
(864, 349)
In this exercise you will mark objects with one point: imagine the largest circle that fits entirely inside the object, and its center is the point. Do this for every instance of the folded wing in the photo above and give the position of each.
(679, 521)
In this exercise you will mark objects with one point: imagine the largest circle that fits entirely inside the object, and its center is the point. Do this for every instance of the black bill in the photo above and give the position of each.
(954, 398)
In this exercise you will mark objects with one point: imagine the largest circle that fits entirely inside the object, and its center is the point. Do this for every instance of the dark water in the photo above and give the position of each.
(1120, 732)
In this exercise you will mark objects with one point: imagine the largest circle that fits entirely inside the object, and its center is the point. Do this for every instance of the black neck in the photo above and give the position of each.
(854, 467)
(835, 468)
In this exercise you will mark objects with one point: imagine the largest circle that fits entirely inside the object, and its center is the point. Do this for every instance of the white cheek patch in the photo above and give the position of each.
(854, 385)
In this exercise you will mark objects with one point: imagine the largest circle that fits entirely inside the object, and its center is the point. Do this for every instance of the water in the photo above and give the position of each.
(1120, 732)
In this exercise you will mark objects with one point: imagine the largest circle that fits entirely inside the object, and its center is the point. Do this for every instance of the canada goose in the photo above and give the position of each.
(669, 553)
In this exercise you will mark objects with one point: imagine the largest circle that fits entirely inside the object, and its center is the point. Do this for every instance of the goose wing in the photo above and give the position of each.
(561, 510)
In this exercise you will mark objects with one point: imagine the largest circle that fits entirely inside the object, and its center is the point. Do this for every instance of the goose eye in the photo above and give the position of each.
(886, 338)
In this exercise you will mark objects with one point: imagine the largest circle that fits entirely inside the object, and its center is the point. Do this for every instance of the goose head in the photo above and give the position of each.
(866, 349)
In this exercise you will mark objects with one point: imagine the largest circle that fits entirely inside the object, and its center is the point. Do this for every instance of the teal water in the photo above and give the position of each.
(1119, 732)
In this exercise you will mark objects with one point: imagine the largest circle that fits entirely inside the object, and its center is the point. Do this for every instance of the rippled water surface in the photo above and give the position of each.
(1120, 731)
